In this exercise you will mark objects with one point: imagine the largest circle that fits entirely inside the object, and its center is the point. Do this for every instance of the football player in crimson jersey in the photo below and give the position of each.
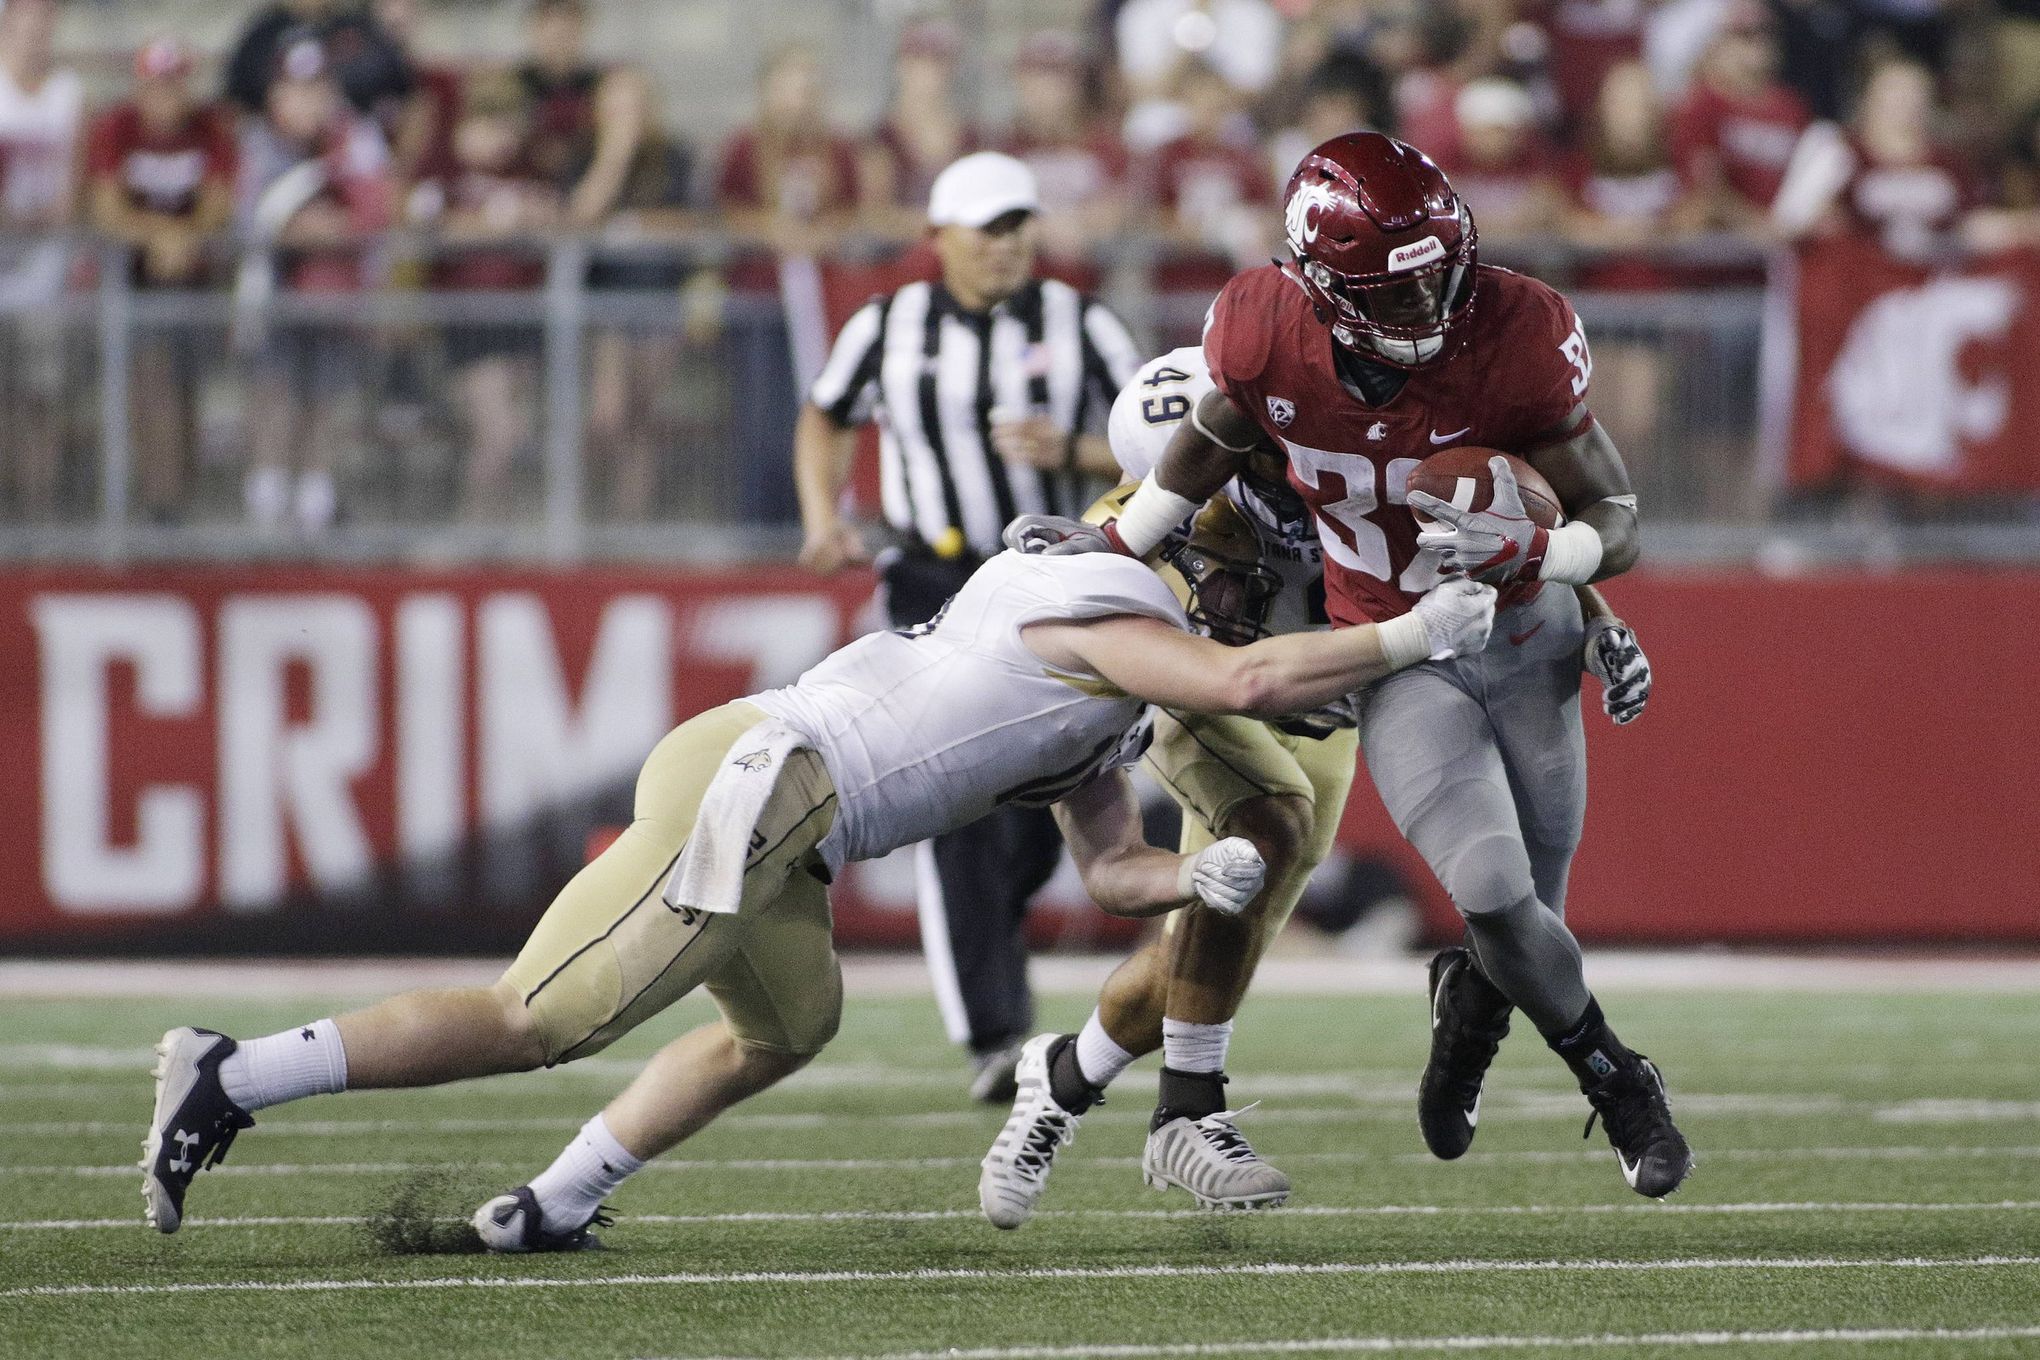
(1382, 342)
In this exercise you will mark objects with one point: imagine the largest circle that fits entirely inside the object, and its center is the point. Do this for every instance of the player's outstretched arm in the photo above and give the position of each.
(1126, 876)
(1152, 660)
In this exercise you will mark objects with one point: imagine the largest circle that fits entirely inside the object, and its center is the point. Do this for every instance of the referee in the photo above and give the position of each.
(990, 389)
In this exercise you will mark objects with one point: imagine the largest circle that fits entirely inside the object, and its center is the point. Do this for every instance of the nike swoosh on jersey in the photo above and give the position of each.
(1437, 438)
(1518, 639)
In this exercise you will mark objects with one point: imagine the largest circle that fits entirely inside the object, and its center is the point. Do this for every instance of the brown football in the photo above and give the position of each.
(1461, 477)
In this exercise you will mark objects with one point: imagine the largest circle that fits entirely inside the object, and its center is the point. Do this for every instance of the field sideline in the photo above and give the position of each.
(1868, 1132)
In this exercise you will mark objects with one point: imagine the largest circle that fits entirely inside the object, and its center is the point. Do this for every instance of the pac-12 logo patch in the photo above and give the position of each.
(1281, 410)
(754, 762)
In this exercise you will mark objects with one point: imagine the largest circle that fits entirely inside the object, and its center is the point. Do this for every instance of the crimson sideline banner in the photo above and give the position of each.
(389, 759)
(1924, 377)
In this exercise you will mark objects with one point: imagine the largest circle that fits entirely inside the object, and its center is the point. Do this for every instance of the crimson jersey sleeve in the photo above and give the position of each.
(1541, 370)
(1237, 336)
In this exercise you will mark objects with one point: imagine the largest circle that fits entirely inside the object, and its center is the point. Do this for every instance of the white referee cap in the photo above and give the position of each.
(981, 188)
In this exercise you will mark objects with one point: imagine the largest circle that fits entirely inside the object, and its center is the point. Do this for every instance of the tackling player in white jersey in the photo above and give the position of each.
(1282, 785)
(1032, 685)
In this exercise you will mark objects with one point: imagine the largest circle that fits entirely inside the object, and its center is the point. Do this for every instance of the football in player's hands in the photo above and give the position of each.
(1483, 513)
(1225, 876)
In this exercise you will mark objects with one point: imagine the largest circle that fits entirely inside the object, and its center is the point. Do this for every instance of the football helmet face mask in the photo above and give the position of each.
(1220, 562)
(1385, 250)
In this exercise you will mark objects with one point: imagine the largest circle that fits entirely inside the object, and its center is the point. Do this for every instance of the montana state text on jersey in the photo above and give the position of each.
(1515, 379)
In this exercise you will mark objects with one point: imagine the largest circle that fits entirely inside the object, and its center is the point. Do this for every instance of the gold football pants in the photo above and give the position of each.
(610, 953)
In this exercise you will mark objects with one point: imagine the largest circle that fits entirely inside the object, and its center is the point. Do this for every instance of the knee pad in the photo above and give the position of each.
(1488, 875)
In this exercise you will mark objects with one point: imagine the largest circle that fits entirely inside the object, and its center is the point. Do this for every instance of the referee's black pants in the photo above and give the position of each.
(972, 886)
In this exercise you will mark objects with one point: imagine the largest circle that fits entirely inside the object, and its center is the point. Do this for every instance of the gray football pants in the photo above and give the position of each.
(1482, 763)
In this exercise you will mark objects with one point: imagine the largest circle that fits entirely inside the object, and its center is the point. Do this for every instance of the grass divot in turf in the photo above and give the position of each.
(426, 1214)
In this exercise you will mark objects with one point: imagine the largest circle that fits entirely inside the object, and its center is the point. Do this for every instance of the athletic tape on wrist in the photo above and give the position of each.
(1405, 640)
(1150, 515)
(1572, 554)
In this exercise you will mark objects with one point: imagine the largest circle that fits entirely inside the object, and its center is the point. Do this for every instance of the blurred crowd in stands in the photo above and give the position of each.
(326, 153)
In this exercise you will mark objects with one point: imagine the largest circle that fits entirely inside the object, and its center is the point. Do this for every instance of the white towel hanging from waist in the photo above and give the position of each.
(710, 874)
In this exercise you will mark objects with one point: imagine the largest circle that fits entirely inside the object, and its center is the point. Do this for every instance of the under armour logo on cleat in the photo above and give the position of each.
(186, 1142)
(306, 1034)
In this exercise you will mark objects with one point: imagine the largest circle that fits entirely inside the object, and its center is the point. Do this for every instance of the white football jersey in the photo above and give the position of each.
(1145, 417)
(928, 729)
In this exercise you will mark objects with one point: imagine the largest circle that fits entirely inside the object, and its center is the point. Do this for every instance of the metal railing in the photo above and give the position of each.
(701, 380)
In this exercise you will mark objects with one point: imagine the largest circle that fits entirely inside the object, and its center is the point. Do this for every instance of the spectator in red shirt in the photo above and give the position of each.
(1734, 134)
(922, 131)
(1625, 191)
(789, 181)
(160, 176)
(584, 136)
(1078, 161)
(492, 195)
(1216, 195)
(1887, 176)
(1585, 40)
(1503, 169)
(314, 182)
(421, 139)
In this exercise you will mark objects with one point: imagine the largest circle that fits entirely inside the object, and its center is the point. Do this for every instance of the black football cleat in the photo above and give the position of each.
(1469, 1019)
(1631, 1105)
(514, 1223)
(194, 1123)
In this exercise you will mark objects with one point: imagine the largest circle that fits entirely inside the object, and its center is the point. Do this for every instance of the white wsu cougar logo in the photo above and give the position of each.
(1297, 216)
(1899, 395)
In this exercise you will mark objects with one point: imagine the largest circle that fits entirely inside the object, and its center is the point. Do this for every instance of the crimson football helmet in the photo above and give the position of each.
(1384, 248)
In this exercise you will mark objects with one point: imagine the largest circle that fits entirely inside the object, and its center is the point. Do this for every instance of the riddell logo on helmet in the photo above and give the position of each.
(1414, 254)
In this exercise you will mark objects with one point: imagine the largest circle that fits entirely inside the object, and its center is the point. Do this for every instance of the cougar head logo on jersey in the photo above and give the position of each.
(1385, 250)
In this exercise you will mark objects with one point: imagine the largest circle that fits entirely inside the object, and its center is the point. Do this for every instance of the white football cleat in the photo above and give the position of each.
(193, 1123)
(1210, 1159)
(1016, 1169)
(515, 1223)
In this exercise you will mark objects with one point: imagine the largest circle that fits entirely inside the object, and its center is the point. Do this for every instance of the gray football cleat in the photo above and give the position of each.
(1209, 1158)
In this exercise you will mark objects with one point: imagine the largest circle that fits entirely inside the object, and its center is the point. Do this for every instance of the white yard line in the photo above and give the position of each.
(1369, 1109)
(907, 975)
(1153, 1272)
(2020, 1152)
(768, 1216)
(1394, 1345)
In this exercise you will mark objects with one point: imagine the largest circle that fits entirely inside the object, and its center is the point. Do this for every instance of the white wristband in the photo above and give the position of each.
(1186, 878)
(1572, 555)
(1404, 641)
(1151, 514)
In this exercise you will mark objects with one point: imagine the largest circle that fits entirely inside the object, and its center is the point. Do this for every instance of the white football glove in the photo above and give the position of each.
(1497, 544)
(1057, 536)
(1225, 877)
(1616, 659)
(1458, 615)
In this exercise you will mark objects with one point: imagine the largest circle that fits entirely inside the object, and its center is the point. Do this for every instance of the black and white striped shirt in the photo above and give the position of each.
(933, 374)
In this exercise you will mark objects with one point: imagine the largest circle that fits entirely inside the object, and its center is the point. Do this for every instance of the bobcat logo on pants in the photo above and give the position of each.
(754, 762)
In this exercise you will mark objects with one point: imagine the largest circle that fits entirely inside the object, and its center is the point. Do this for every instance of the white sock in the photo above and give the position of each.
(1099, 1056)
(307, 1061)
(586, 1172)
(1191, 1047)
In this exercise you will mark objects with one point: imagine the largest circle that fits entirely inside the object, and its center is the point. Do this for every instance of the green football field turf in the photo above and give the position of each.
(1869, 1185)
